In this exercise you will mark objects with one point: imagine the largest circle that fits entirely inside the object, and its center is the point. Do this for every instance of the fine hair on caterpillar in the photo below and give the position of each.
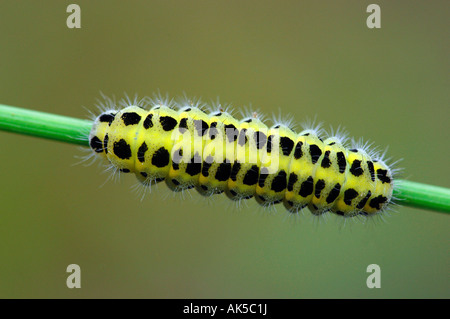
(190, 145)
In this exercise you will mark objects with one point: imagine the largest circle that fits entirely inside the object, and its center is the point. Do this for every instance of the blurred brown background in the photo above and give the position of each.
(305, 58)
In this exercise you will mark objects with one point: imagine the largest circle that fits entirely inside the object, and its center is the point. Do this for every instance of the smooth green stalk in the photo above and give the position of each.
(46, 125)
(76, 131)
(422, 195)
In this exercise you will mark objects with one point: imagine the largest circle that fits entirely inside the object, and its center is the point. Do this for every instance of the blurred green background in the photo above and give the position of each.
(305, 58)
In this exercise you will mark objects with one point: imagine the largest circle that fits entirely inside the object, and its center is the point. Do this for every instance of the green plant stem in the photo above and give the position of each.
(422, 195)
(46, 125)
(76, 131)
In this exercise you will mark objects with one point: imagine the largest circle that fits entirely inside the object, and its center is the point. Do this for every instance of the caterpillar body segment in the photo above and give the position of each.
(250, 145)
(274, 172)
(216, 153)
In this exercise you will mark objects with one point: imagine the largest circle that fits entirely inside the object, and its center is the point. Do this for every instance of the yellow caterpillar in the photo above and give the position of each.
(216, 153)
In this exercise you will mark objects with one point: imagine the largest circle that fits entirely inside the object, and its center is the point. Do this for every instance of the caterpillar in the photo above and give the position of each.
(212, 151)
